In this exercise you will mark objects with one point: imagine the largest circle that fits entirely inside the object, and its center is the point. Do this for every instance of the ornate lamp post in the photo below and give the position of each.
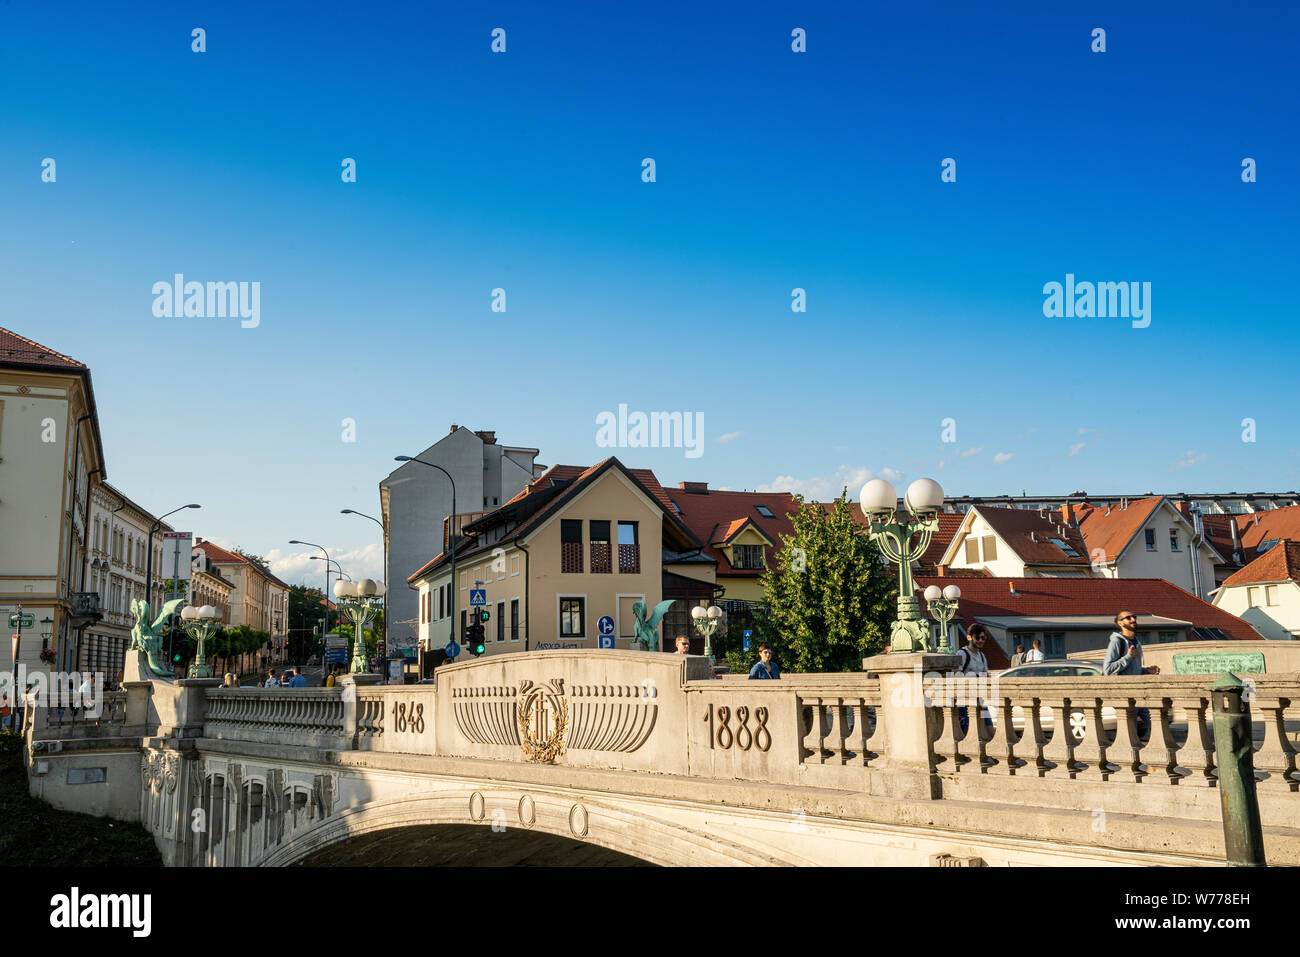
(361, 610)
(200, 624)
(706, 621)
(942, 605)
(903, 539)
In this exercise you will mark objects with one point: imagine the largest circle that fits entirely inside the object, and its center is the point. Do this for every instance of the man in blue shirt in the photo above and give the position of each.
(297, 681)
(765, 667)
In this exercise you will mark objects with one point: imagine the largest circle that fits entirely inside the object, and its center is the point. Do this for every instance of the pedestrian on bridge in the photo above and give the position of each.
(765, 667)
(1124, 657)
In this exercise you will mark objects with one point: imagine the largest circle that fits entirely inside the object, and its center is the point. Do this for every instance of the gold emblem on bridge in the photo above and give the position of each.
(543, 716)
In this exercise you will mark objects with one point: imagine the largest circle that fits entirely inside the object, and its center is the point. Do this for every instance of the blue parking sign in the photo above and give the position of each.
(604, 641)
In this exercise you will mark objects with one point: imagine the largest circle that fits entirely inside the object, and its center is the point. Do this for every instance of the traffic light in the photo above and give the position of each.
(484, 615)
(477, 641)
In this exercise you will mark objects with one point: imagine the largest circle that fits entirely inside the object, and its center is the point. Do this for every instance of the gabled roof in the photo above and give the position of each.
(1029, 534)
(1112, 528)
(1057, 597)
(1218, 533)
(546, 495)
(1280, 563)
(716, 517)
(1259, 527)
(20, 351)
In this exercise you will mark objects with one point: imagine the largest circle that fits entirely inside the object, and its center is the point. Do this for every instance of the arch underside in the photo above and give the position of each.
(465, 845)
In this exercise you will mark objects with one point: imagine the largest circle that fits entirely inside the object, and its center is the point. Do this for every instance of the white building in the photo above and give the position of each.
(1266, 592)
(415, 499)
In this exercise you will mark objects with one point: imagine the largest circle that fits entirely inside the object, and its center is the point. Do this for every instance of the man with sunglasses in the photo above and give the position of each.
(973, 663)
(1124, 657)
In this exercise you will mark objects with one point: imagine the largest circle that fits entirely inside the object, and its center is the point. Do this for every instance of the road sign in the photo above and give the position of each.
(334, 640)
(605, 627)
(452, 649)
(336, 655)
(749, 633)
(478, 596)
(27, 620)
(605, 641)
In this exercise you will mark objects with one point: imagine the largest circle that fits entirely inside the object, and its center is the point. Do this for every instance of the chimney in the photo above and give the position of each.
(1067, 513)
(1107, 511)
(1185, 509)
(695, 488)
(1011, 586)
(454, 427)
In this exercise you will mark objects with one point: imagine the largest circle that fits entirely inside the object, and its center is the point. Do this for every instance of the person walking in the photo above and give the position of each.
(1035, 653)
(269, 681)
(1124, 657)
(683, 645)
(1019, 657)
(765, 667)
(973, 664)
(297, 681)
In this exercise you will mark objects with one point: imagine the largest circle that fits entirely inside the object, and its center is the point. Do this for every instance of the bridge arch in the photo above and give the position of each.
(568, 826)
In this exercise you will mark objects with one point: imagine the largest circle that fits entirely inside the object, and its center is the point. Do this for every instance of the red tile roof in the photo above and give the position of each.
(20, 350)
(1112, 532)
(221, 556)
(1218, 532)
(1259, 527)
(1029, 533)
(1058, 597)
(1279, 563)
(715, 516)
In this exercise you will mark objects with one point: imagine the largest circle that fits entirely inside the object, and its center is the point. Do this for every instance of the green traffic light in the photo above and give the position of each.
(479, 649)
(176, 657)
(485, 615)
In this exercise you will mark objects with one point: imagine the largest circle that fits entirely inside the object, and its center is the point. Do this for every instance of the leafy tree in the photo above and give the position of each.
(251, 556)
(832, 599)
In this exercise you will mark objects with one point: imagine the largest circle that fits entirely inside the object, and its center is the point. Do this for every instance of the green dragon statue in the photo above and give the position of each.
(145, 637)
(647, 628)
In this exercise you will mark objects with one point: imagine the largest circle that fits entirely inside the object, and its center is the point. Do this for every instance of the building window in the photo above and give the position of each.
(514, 564)
(1163, 636)
(629, 549)
(1251, 595)
(1173, 539)
(763, 510)
(1151, 539)
(462, 581)
(514, 619)
(1054, 644)
(990, 548)
(1270, 595)
(442, 597)
(747, 556)
(571, 546)
(572, 624)
(1265, 545)
(1063, 546)
(501, 621)
(972, 551)
(601, 555)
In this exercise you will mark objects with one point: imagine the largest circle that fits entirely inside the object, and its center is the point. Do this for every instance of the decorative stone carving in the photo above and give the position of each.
(611, 717)
(543, 716)
(487, 715)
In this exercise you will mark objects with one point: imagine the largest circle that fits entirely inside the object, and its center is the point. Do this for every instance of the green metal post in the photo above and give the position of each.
(1243, 836)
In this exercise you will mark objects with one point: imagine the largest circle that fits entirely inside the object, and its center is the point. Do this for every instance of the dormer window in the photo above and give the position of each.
(763, 510)
(747, 556)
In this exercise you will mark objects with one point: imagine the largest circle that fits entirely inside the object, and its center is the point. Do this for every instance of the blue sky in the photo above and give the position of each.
(775, 170)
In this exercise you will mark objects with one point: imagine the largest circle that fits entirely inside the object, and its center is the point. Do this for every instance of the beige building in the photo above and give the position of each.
(576, 547)
(257, 598)
(115, 571)
(51, 453)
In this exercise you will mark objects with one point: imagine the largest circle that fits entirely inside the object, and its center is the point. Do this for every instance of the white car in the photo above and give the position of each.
(1059, 669)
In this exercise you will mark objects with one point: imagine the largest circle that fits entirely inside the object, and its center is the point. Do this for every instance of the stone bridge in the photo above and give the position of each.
(621, 757)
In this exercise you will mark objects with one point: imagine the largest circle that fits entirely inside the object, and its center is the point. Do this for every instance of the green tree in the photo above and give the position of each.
(251, 556)
(831, 597)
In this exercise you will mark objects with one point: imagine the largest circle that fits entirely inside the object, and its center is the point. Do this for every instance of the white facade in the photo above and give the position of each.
(1273, 608)
(1162, 548)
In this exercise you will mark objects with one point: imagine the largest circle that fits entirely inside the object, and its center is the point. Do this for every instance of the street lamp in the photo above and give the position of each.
(361, 610)
(200, 624)
(451, 638)
(903, 539)
(942, 605)
(342, 573)
(148, 565)
(706, 618)
(325, 595)
(383, 651)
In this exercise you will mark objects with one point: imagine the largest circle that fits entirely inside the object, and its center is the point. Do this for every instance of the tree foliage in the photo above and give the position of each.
(832, 599)
(251, 556)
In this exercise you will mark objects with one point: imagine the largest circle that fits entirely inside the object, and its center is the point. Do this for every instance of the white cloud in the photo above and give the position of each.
(1002, 458)
(825, 488)
(298, 568)
(1085, 431)
(729, 437)
(1075, 449)
(967, 453)
(1188, 459)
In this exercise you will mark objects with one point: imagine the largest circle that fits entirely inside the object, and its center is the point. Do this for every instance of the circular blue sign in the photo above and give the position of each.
(606, 625)
(452, 649)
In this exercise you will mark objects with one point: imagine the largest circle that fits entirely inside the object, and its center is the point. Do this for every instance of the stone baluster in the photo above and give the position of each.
(838, 734)
(810, 714)
(1160, 756)
(1277, 755)
(1124, 754)
(948, 745)
(1001, 745)
(1060, 749)
(1032, 738)
(1197, 752)
(1091, 751)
